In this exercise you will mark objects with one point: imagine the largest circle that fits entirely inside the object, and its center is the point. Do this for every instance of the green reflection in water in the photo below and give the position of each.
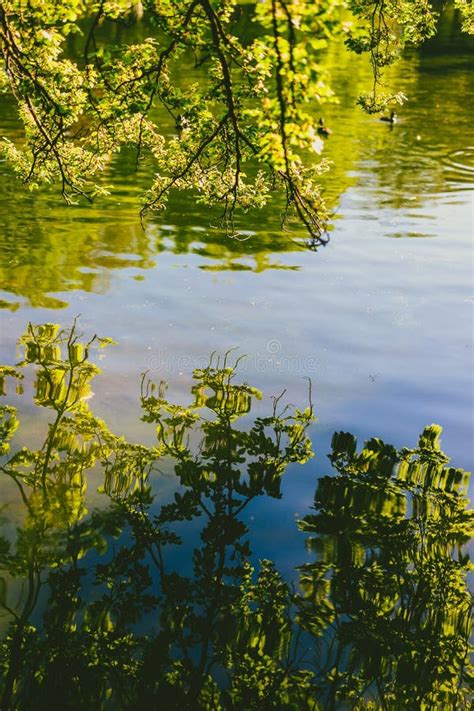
(47, 249)
(103, 611)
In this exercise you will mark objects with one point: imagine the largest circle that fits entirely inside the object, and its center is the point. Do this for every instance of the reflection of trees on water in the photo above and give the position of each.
(41, 256)
(389, 574)
(108, 615)
(415, 158)
(39, 259)
(46, 249)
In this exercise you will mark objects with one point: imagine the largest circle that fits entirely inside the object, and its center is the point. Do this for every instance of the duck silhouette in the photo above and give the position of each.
(390, 119)
(322, 129)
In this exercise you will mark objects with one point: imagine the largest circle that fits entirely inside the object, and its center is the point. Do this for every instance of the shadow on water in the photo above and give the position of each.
(100, 610)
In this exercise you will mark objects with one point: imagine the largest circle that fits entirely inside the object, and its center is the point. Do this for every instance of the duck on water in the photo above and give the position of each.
(390, 119)
(323, 130)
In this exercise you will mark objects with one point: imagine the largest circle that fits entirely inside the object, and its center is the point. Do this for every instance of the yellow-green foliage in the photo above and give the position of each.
(244, 132)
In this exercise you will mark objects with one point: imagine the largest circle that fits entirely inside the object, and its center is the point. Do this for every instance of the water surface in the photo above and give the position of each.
(380, 319)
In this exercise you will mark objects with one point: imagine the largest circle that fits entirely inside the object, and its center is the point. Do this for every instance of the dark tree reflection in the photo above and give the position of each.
(387, 592)
(143, 602)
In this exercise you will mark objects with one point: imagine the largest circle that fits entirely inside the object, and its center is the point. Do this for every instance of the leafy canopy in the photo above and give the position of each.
(234, 128)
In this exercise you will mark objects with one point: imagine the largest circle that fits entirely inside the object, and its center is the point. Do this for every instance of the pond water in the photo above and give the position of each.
(380, 319)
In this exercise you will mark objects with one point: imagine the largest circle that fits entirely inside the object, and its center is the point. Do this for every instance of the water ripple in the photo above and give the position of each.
(459, 165)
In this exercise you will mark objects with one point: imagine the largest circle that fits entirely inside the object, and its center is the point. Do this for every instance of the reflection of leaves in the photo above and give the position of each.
(62, 383)
(8, 372)
(120, 607)
(8, 426)
(250, 462)
(91, 633)
(388, 529)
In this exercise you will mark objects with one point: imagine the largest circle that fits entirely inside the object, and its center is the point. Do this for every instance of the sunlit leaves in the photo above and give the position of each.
(381, 31)
(241, 134)
(467, 10)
